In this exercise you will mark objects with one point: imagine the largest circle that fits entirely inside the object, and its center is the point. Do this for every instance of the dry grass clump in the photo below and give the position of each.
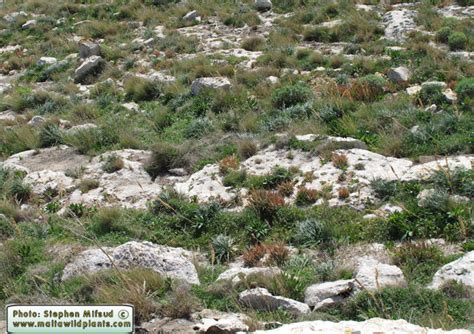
(247, 149)
(228, 164)
(270, 254)
(339, 160)
(266, 203)
(306, 196)
(343, 193)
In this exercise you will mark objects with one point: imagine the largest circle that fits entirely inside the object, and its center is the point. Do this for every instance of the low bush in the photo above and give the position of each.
(291, 95)
(368, 88)
(253, 43)
(418, 261)
(465, 89)
(457, 41)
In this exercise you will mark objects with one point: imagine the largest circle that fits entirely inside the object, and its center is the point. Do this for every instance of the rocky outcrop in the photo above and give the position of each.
(239, 274)
(374, 275)
(461, 270)
(203, 322)
(398, 23)
(210, 83)
(262, 300)
(375, 325)
(328, 293)
(167, 261)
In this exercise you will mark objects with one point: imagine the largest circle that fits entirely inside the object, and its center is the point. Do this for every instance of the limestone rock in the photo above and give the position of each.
(261, 299)
(167, 261)
(90, 66)
(29, 24)
(203, 322)
(328, 293)
(237, 274)
(461, 270)
(374, 325)
(374, 275)
(36, 121)
(212, 83)
(191, 16)
(399, 74)
(47, 61)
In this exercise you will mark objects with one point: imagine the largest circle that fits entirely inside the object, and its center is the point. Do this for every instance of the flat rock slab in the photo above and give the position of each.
(371, 326)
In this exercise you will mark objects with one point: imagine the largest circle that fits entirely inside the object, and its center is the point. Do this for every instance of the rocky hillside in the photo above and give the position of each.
(285, 166)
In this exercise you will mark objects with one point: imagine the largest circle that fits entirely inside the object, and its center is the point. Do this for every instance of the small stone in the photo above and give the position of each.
(413, 90)
(29, 24)
(432, 108)
(36, 121)
(191, 16)
(47, 61)
(399, 75)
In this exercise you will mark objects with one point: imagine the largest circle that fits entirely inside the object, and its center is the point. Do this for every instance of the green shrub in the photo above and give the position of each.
(423, 307)
(223, 247)
(465, 89)
(443, 34)
(457, 41)
(108, 220)
(432, 94)
(291, 95)
(465, 2)
(317, 34)
(384, 189)
(50, 135)
(139, 89)
(313, 232)
(198, 128)
(418, 261)
(235, 178)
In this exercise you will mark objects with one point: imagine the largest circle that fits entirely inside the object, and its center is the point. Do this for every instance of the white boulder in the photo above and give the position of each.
(212, 83)
(374, 275)
(167, 261)
(461, 270)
